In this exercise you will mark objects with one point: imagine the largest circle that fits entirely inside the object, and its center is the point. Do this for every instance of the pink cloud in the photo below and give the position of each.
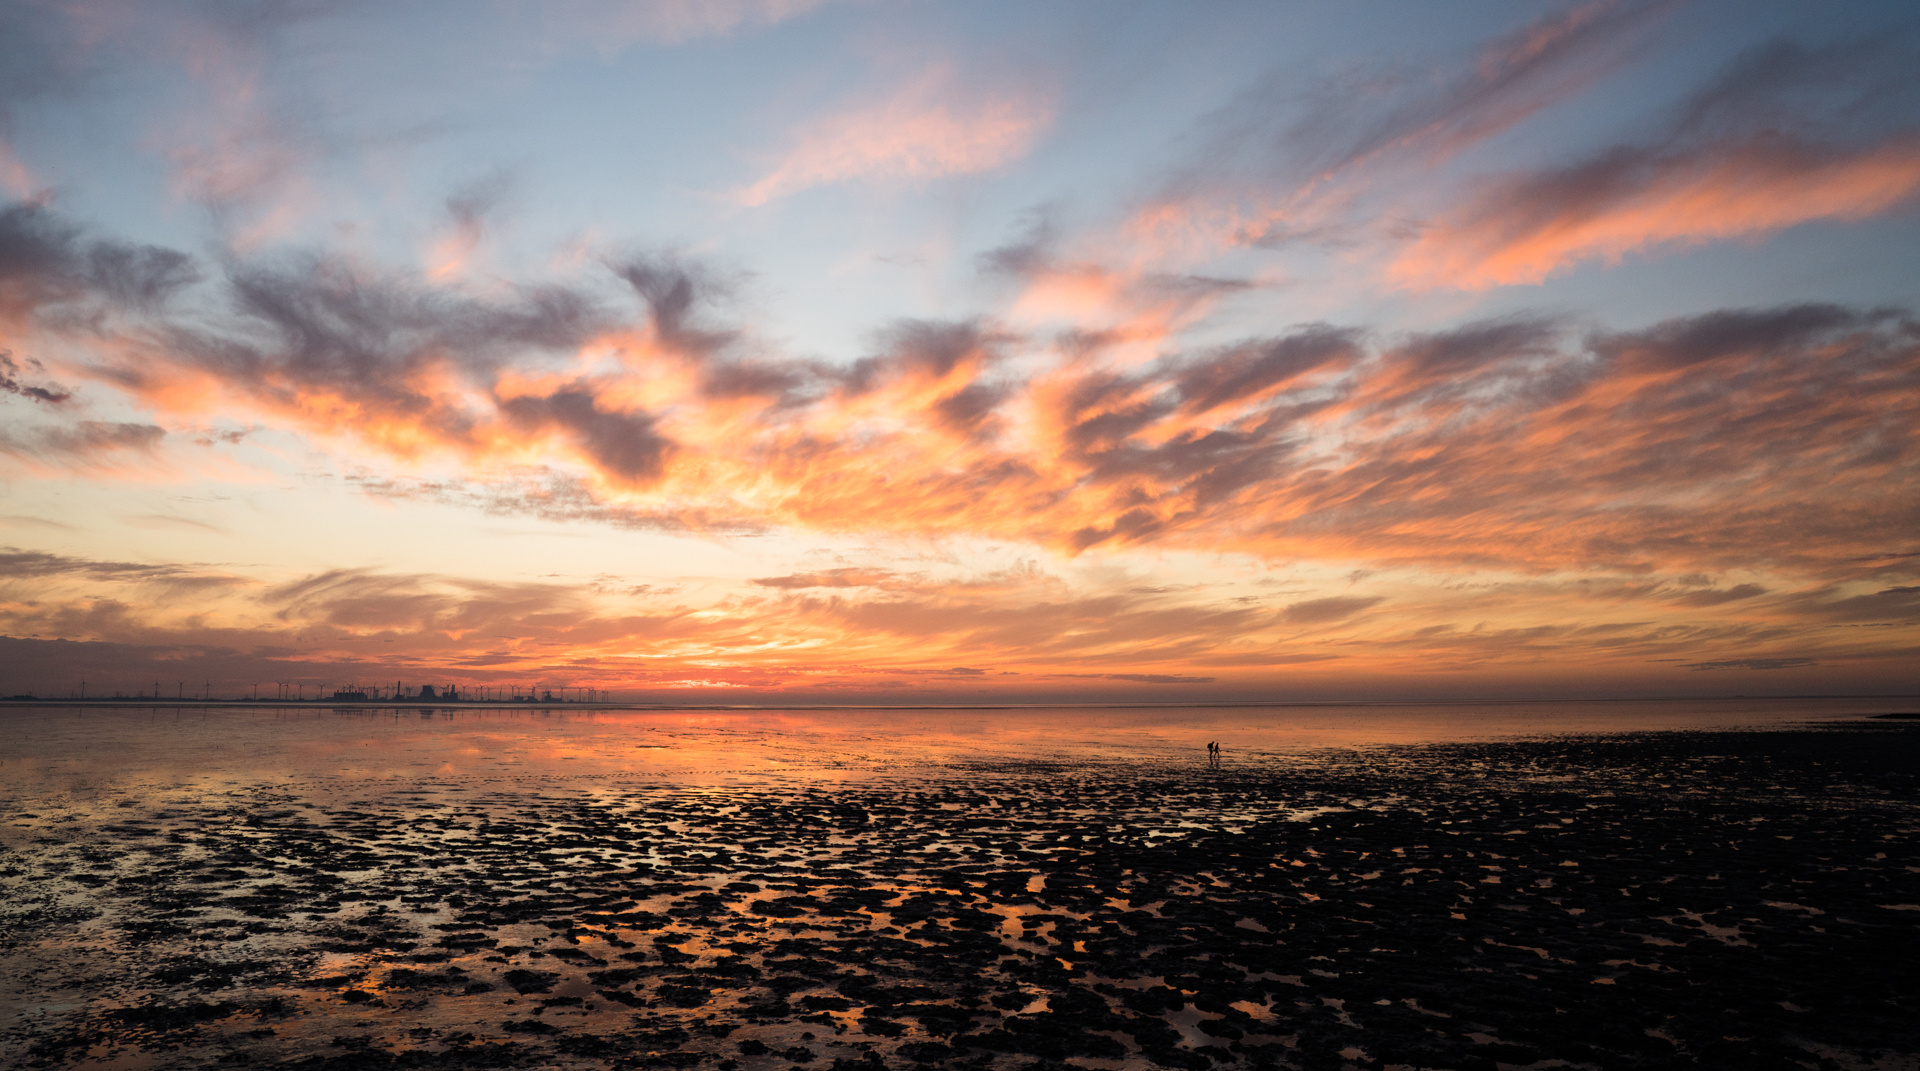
(1626, 202)
(925, 130)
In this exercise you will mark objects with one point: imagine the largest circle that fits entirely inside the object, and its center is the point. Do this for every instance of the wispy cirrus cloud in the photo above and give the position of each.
(1785, 135)
(82, 444)
(1276, 167)
(934, 126)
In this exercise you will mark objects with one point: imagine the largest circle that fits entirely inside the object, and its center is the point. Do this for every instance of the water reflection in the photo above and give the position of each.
(78, 747)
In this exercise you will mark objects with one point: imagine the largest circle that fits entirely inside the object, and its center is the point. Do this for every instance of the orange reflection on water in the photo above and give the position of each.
(95, 748)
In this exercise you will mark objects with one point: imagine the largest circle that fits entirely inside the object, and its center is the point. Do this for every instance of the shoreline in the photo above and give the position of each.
(15, 702)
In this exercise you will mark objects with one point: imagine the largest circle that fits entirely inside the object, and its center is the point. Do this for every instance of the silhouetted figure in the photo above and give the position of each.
(1213, 754)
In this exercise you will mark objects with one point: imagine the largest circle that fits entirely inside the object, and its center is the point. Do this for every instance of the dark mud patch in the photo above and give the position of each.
(1669, 900)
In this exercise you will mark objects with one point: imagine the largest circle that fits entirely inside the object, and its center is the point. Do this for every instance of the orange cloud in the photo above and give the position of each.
(873, 632)
(1499, 443)
(1628, 202)
(922, 131)
(1767, 453)
(1280, 169)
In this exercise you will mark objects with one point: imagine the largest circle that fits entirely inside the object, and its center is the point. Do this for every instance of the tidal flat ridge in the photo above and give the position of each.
(1710, 899)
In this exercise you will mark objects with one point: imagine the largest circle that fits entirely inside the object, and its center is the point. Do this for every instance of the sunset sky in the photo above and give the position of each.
(799, 351)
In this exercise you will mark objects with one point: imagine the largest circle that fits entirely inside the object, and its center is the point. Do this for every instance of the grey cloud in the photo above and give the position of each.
(469, 208)
(25, 564)
(1900, 603)
(1321, 611)
(311, 322)
(364, 599)
(1371, 116)
(787, 384)
(83, 441)
(924, 347)
(674, 293)
(556, 497)
(846, 577)
(1859, 85)
(623, 444)
(1784, 109)
(1751, 663)
(1142, 678)
(41, 566)
(11, 381)
(39, 259)
(1032, 251)
(1239, 371)
(335, 323)
(1739, 333)
(1718, 596)
(933, 350)
(969, 410)
(1466, 349)
(139, 276)
(47, 261)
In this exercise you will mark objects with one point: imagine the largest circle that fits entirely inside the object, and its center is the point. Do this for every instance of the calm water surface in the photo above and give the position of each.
(90, 750)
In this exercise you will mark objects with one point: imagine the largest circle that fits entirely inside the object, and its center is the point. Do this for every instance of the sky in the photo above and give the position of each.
(883, 351)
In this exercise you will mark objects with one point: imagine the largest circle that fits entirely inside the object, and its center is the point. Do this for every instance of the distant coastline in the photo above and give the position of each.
(556, 704)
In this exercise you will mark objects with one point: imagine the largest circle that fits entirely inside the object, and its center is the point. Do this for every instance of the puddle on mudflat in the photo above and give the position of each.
(1325, 909)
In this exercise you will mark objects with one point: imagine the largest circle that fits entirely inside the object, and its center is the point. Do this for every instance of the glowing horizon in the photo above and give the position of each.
(769, 351)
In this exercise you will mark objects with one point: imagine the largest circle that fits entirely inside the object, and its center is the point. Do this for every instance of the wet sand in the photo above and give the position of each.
(1653, 899)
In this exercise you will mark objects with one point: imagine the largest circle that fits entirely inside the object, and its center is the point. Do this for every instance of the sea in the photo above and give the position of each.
(120, 748)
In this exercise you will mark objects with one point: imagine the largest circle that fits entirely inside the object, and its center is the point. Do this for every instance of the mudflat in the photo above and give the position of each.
(1655, 899)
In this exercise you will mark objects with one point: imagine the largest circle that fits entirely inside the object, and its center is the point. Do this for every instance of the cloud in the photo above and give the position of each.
(624, 398)
(1786, 134)
(54, 578)
(11, 382)
(1322, 611)
(1752, 663)
(1515, 442)
(18, 564)
(848, 577)
(1720, 596)
(1277, 167)
(1629, 201)
(47, 264)
(1144, 678)
(86, 441)
(622, 445)
(362, 600)
(1250, 372)
(467, 213)
(925, 130)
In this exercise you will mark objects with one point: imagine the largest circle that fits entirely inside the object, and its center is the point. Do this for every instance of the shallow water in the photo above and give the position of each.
(98, 749)
(1459, 887)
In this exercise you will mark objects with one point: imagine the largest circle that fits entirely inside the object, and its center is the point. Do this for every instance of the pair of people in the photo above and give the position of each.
(1213, 753)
